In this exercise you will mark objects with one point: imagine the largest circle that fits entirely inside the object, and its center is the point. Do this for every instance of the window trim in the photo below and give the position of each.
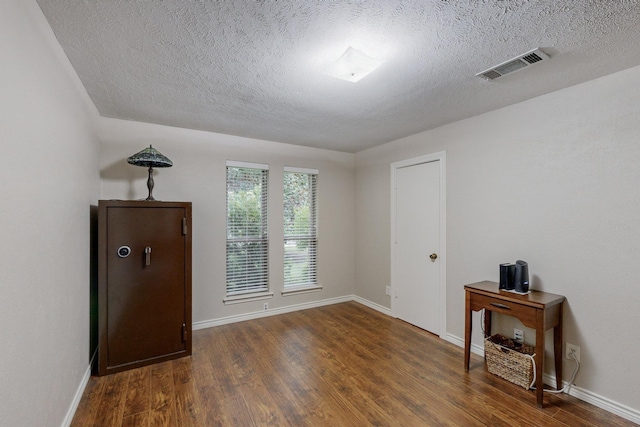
(249, 165)
(240, 298)
(301, 170)
(300, 289)
(248, 295)
(304, 287)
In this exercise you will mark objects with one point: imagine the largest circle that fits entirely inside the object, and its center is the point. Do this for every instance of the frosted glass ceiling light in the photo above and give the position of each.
(353, 65)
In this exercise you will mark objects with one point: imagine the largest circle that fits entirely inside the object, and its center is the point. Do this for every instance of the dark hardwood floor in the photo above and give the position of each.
(339, 365)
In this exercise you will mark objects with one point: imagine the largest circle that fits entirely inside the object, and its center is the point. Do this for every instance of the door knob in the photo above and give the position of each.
(433, 257)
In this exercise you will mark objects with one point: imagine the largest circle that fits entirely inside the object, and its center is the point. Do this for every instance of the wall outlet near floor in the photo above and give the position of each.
(265, 306)
(572, 348)
(518, 335)
(388, 291)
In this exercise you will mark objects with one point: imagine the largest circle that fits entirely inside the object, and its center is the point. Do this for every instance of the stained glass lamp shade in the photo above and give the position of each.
(150, 158)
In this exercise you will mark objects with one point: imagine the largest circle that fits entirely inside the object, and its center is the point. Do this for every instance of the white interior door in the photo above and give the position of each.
(416, 280)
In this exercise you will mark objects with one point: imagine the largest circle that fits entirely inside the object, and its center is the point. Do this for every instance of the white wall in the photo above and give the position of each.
(48, 180)
(199, 176)
(554, 181)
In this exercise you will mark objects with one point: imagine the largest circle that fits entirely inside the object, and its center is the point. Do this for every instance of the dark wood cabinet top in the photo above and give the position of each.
(536, 299)
(141, 203)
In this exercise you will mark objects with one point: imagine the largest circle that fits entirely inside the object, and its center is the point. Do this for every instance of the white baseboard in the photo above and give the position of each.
(597, 400)
(575, 391)
(288, 309)
(373, 305)
(78, 396)
(266, 313)
(475, 348)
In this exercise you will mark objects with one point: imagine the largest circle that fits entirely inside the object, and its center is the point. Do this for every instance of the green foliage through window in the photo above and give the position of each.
(300, 239)
(247, 240)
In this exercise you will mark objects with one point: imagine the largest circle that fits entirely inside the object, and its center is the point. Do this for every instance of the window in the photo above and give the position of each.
(300, 220)
(247, 240)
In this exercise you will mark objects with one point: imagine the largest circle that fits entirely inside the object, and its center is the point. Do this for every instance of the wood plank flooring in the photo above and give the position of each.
(339, 365)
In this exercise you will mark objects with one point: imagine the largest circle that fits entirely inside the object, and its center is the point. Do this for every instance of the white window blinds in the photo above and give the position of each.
(300, 222)
(247, 240)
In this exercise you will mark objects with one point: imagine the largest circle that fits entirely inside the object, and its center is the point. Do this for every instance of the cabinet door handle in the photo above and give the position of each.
(497, 304)
(147, 253)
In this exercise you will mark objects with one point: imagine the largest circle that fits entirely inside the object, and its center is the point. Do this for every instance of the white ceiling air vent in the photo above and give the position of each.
(515, 64)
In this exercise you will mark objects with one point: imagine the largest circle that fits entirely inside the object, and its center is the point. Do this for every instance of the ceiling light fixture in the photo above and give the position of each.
(353, 65)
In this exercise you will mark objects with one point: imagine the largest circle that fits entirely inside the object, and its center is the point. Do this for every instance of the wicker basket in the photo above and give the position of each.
(515, 365)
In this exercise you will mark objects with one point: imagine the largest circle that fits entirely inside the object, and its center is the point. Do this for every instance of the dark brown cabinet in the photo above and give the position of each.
(144, 283)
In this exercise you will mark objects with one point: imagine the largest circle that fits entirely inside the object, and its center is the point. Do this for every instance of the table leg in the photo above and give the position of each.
(487, 323)
(467, 331)
(539, 356)
(557, 349)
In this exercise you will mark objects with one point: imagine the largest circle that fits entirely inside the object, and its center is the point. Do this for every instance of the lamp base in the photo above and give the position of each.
(150, 184)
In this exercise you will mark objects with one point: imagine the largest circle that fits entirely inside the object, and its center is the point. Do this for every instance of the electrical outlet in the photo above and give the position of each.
(265, 306)
(572, 348)
(388, 291)
(518, 335)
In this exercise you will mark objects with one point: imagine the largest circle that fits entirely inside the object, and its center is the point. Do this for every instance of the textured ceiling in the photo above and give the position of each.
(253, 68)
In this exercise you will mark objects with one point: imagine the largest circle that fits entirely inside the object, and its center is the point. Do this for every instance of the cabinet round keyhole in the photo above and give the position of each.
(124, 251)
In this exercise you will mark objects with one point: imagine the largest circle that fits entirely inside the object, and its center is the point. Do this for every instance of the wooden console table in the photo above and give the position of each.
(538, 310)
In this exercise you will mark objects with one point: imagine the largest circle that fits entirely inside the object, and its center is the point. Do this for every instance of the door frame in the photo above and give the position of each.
(435, 157)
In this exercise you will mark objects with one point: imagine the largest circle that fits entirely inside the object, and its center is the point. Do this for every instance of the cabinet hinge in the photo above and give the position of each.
(184, 226)
(184, 332)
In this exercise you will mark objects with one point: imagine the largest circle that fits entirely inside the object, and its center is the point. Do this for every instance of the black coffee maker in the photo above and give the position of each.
(515, 277)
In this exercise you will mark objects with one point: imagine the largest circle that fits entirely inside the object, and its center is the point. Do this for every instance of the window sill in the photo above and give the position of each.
(237, 299)
(300, 290)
